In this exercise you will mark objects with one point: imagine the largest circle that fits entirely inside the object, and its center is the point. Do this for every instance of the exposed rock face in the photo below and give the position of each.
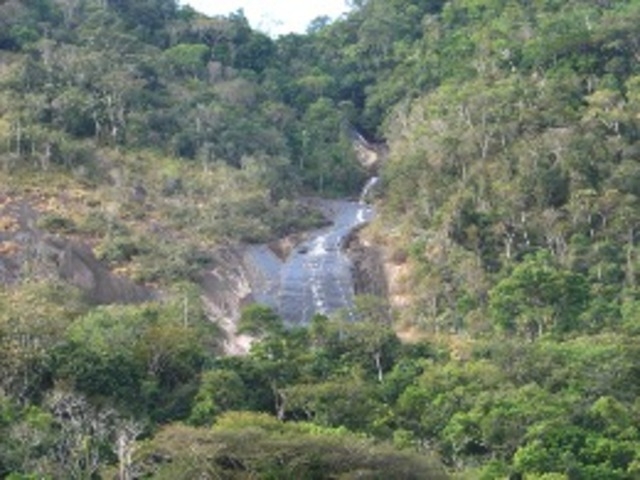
(369, 155)
(77, 265)
(227, 288)
(380, 269)
(300, 274)
(26, 250)
(315, 277)
(368, 267)
(283, 247)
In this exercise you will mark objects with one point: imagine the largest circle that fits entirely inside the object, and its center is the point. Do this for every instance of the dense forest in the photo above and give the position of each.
(510, 202)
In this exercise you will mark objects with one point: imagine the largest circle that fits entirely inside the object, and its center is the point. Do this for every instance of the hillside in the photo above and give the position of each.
(139, 139)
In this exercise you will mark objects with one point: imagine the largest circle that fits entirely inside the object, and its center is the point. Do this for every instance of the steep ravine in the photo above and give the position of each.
(317, 272)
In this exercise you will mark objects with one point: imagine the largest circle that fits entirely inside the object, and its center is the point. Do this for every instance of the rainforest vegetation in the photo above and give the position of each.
(510, 200)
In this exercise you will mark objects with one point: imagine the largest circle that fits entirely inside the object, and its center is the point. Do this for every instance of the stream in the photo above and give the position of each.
(316, 278)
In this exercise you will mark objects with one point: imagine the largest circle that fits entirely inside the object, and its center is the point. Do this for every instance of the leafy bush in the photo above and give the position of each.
(56, 223)
(119, 249)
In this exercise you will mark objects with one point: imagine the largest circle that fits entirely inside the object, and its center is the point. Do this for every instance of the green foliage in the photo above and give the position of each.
(187, 59)
(144, 357)
(220, 391)
(538, 297)
(142, 100)
(56, 223)
(118, 249)
(243, 444)
(148, 18)
(259, 320)
(515, 145)
(33, 320)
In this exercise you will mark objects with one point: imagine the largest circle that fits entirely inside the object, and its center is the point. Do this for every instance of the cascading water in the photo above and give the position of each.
(316, 277)
(366, 190)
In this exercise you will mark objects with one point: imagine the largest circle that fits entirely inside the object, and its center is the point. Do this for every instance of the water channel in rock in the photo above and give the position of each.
(316, 277)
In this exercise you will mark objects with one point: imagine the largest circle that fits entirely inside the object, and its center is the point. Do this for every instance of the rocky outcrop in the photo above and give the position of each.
(369, 155)
(28, 251)
(380, 269)
(369, 276)
(226, 289)
(283, 247)
(226, 286)
(76, 264)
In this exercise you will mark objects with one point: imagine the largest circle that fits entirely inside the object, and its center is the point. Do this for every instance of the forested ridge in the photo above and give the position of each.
(509, 202)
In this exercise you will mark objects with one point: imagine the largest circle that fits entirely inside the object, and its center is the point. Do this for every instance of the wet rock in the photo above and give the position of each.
(301, 279)
(283, 247)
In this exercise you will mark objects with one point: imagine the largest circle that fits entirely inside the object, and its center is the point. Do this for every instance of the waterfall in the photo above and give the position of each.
(316, 277)
(372, 182)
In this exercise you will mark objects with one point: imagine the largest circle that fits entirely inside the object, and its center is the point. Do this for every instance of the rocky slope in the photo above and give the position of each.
(29, 251)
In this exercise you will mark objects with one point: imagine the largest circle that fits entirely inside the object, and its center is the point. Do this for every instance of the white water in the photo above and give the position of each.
(372, 182)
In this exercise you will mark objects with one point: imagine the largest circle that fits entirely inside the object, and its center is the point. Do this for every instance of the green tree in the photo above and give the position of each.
(187, 59)
(538, 297)
(33, 321)
(256, 444)
(145, 358)
(220, 391)
(371, 333)
(259, 320)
